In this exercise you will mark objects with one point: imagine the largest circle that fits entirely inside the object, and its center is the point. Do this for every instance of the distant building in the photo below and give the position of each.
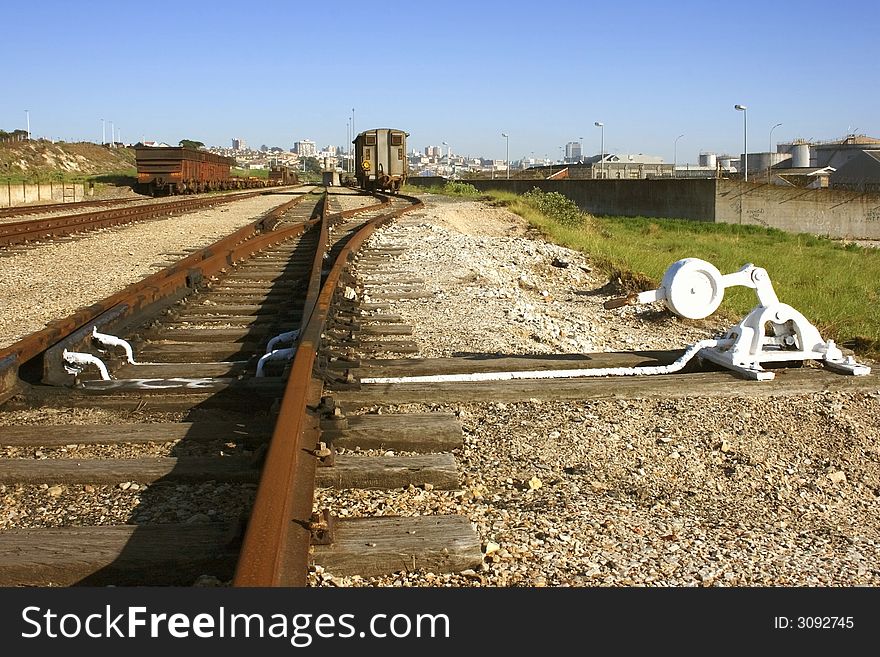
(305, 148)
(626, 166)
(573, 151)
(238, 144)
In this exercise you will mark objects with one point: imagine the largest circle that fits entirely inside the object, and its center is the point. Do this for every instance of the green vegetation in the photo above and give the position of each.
(191, 143)
(249, 173)
(836, 286)
(451, 188)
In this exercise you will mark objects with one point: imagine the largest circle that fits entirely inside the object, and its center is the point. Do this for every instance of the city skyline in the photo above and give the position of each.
(661, 79)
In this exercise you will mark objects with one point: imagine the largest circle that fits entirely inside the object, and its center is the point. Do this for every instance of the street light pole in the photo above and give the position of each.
(27, 116)
(675, 154)
(743, 108)
(770, 166)
(112, 145)
(601, 125)
(103, 133)
(507, 139)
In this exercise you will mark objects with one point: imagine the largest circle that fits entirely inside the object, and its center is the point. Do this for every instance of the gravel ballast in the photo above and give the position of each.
(51, 280)
(695, 491)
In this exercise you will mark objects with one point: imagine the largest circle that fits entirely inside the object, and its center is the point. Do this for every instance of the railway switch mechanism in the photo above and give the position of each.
(693, 289)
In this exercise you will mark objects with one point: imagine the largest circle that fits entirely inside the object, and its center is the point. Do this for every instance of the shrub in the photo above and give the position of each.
(555, 206)
(457, 188)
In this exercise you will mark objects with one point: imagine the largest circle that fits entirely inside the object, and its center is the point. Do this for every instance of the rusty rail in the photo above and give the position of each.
(276, 543)
(200, 264)
(19, 232)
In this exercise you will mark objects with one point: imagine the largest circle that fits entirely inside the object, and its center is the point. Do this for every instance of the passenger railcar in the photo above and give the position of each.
(178, 170)
(380, 159)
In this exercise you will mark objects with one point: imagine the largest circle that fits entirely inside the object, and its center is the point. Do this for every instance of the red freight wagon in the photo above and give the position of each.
(176, 170)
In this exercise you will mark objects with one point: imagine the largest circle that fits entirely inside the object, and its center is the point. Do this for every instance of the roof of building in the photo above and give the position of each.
(861, 169)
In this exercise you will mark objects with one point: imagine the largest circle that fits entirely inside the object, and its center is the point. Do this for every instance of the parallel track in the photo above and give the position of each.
(22, 232)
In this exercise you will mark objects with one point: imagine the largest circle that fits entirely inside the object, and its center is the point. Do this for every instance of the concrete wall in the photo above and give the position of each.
(25, 193)
(828, 212)
(675, 199)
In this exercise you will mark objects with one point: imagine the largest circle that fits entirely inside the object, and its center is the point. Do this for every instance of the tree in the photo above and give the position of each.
(189, 143)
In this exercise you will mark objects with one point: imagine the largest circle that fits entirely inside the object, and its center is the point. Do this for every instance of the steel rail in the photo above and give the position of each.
(200, 264)
(13, 210)
(19, 232)
(275, 548)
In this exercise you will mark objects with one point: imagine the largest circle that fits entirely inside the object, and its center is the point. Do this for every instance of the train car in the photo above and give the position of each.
(283, 175)
(380, 159)
(178, 170)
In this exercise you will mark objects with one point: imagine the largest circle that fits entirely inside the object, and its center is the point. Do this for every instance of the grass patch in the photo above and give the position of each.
(249, 173)
(835, 286)
(452, 188)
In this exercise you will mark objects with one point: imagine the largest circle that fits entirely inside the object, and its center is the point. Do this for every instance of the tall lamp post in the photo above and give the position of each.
(770, 166)
(27, 116)
(675, 154)
(601, 125)
(507, 139)
(743, 108)
(103, 133)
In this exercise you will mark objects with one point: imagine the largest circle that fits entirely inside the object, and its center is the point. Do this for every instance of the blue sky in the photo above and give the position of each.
(274, 72)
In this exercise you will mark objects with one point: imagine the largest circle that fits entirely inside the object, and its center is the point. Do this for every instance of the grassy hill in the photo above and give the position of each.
(44, 161)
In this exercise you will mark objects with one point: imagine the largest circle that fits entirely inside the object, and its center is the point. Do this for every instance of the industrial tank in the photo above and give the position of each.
(707, 160)
(800, 155)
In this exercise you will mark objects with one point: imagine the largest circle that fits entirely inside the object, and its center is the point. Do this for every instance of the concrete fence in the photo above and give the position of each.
(34, 193)
(826, 212)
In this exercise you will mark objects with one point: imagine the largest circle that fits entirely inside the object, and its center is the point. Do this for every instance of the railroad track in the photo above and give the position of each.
(216, 480)
(180, 449)
(202, 437)
(22, 210)
(48, 228)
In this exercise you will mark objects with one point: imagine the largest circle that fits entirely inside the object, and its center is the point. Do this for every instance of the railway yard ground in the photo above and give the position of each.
(690, 491)
(699, 488)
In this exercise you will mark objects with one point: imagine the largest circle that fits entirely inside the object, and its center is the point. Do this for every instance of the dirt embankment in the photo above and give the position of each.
(42, 160)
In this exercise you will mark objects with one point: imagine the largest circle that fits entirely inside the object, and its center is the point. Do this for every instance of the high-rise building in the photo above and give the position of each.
(573, 151)
(305, 148)
(238, 144)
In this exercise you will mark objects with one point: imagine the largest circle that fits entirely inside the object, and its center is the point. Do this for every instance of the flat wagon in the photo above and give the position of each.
(178, 170)
(380, 159)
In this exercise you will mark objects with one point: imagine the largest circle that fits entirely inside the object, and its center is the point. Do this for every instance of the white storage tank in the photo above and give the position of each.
(707, 160)
(800, 155)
